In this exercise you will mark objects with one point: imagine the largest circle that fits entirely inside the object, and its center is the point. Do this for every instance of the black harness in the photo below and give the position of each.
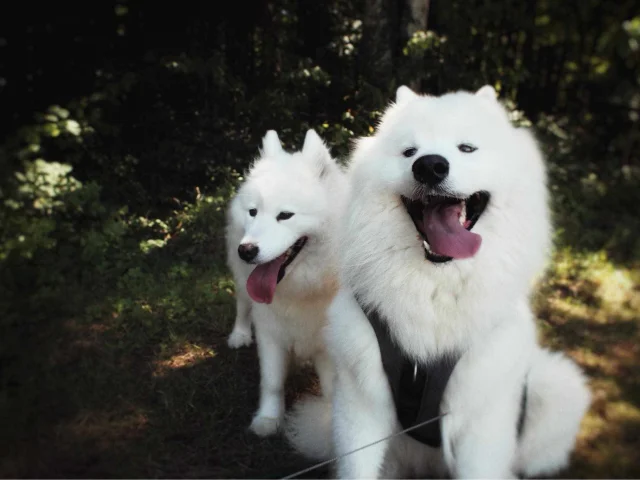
(417, 388)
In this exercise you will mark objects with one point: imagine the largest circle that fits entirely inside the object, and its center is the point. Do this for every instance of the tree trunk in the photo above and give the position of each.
(387, 26)
(314, 28)
(527, 91)
(414, 20)
(379, 35)
(417, 13)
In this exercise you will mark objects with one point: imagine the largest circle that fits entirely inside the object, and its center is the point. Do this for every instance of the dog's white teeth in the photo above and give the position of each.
(463, 213)
(426, 245)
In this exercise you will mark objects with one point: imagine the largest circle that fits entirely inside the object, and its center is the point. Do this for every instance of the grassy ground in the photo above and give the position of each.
(589, 309)
(128, 374)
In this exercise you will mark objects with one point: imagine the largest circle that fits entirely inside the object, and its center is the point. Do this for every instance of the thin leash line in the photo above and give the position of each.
(331, 460)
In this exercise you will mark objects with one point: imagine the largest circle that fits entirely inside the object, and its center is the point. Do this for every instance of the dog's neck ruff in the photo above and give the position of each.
(417, 387)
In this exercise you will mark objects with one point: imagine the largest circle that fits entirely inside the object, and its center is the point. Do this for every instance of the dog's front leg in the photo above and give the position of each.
(359, 421)
(241, 333)
(326, 373)
(273, 355)
(483, 400)
(363, 407)
(483, 444)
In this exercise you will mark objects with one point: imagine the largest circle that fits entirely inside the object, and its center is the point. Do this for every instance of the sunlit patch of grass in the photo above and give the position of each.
(608, 443)
(589, 275)
(224, 284)
(185, 355)
(589, 308)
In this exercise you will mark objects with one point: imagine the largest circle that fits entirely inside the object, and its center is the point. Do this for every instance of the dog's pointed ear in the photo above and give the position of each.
(405, 94)
(317, 152)
(490, 98)
(271, 144)
(488, 92)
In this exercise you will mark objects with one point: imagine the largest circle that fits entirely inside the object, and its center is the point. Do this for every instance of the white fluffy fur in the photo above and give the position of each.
(479, 304)
(312, 186)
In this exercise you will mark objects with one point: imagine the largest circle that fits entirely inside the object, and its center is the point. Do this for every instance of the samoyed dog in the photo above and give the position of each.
(280, 227)
(446, 229)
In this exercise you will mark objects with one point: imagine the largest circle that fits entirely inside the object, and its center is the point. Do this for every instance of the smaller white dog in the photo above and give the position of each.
(280, 227)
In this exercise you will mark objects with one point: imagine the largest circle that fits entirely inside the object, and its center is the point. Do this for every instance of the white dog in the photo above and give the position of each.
(447, 227)
(279, 243)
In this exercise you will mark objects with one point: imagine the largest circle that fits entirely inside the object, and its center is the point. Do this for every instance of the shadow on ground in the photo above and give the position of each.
(129, 375)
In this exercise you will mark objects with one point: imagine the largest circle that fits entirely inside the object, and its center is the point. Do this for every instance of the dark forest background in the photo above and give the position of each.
(125, 127)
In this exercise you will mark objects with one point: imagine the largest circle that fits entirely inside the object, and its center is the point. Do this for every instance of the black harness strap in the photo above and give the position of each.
(418, 388)
(523, 407)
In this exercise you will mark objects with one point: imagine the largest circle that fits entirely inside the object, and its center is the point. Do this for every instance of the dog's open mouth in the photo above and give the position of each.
(261, 284)
(445, 222)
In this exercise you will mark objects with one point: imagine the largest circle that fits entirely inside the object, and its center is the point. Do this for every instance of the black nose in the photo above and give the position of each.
(248, 251)
(430, 169)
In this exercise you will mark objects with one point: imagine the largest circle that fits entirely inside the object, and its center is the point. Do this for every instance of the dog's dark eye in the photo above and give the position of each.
(466, 148)
(409, 152)
(284, 216)
(253, 212)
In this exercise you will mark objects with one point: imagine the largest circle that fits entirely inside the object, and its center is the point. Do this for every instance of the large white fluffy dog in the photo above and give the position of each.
(447, 227)
(280, 227)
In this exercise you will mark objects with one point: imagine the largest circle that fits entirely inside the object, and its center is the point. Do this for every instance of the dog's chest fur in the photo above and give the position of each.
(430, 315)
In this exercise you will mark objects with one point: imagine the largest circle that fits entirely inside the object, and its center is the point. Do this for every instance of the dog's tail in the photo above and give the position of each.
(559, 397)
(308, 427)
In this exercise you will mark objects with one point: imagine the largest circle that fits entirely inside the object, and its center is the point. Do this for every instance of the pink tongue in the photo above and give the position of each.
(446, 236)
(262, 282)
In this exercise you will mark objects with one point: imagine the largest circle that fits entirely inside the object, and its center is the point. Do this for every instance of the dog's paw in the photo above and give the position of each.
(238, 339)
(265, 426)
